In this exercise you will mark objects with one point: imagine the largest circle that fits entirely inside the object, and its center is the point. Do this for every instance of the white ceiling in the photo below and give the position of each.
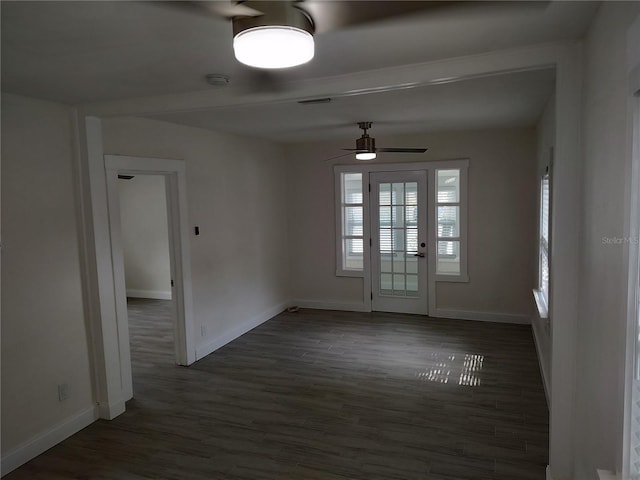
(514, 99)
(81, 52)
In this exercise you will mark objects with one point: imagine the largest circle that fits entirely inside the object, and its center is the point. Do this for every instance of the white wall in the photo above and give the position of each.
(545, 132)
(145, 236)
(44, 338)
(236, 191)
(602, 321)
(502, 219)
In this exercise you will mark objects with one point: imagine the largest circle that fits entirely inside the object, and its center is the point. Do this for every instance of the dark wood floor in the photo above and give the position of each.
(322, 395)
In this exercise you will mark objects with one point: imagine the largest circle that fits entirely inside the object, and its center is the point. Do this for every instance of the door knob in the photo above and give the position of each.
(419, 254)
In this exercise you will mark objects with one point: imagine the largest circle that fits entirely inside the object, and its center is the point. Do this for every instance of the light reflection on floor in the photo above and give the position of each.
(446, 367)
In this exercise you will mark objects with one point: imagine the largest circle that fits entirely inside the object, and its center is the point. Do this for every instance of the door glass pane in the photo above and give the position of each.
(412, 264)
(411, 193)
(397, 194)
(398, 263)
(385, 241)
(398, 234)
(398, 285)
(386, 263)
(398, 216)
(398, 239)
(411, 216)
(448, 186)
(386, 284)
(448, 261)
(385, 194)
(448, 221)
(412, 240)
(412, 285)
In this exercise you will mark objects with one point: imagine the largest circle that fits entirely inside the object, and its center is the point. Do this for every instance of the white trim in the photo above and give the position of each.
(548, 473)
(566, 228)
(155, 294)
(47, 439)
(99, 268)
(607, 475)
(174, 172)
(541, 304)
(540, 338)
(517, 318)
(215, 343)
(340, 306)
(630, 250)
(111, 411)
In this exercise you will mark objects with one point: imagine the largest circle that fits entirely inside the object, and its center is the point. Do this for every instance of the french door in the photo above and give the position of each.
(398, 241)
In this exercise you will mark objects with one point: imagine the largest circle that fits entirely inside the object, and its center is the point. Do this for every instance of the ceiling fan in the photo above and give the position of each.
(279, 34)
(366, 146)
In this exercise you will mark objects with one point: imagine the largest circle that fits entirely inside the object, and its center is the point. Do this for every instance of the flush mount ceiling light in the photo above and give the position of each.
(281, 37)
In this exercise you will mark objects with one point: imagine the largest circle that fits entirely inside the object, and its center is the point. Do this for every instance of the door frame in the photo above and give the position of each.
(106, 334)
(424, 206)
(430, 167)
(173, 172)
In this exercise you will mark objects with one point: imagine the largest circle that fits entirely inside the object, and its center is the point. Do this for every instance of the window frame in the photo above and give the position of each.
(463, 208)
(340, 236)
(544, 246)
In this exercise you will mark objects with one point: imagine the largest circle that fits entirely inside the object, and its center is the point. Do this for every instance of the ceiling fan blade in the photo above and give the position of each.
(220, 9)
(333, 15)
(339, 156)
(402, 150)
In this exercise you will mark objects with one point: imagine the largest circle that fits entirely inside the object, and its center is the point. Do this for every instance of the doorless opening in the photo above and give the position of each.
(172, 172)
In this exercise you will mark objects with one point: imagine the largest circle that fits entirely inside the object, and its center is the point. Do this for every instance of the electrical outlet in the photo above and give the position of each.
(203, 330)
(63, 392)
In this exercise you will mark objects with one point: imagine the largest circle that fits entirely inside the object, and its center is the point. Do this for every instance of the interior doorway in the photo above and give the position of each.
(151, 311)
(170, 174)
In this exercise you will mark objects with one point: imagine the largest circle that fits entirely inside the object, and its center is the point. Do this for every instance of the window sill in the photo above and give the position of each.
(452, 278)
(347, 273)
(541, 304)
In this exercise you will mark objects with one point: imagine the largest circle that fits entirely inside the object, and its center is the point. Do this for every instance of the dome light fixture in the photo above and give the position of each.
(366, 156)
(281, 37)
(277, 46)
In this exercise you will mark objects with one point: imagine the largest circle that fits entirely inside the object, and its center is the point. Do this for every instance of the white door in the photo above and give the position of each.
(398, 241)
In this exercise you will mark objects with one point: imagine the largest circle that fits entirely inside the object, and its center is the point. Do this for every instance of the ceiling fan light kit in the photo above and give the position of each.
(366, 156)
(281, 37)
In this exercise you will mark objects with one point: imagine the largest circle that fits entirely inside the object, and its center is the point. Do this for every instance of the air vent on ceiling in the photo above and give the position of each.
(313, 101)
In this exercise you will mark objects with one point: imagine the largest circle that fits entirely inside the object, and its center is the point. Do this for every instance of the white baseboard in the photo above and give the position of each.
(607, 475)
(316, 305)
(539, 341)
(156, 294)
(44, 441)
(482, 316)
(548, 473)
(221, 340)
(111, 411)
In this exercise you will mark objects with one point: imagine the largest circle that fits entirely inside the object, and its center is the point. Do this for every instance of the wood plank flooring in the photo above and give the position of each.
(322, 395)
